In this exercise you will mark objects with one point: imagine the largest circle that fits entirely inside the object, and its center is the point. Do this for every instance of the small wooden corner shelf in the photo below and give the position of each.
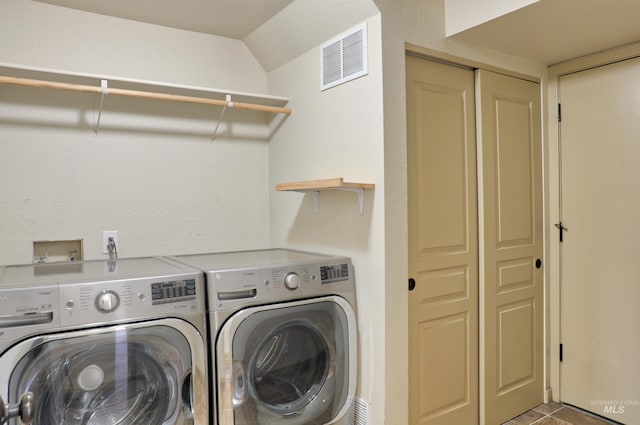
(326, 184)
(316, 186)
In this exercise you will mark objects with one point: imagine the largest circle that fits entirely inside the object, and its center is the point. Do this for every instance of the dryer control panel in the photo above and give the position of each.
(334, 273)
(229, 289)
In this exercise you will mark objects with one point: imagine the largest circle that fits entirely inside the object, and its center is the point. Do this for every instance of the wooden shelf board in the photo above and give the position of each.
(326, 184)
(58, 76)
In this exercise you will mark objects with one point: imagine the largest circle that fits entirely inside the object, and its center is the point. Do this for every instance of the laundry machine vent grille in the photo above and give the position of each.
(359, 412)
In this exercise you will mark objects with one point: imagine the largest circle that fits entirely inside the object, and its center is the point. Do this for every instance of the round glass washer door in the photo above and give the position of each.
(290, 364)
(125, 377)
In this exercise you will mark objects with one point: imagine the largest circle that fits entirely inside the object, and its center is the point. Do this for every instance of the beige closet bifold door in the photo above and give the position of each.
(448, 336)
(443, 248)
(511, 276)
(600, 317)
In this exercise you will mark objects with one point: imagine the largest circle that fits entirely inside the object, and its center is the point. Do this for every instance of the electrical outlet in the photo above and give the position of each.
(106, 234)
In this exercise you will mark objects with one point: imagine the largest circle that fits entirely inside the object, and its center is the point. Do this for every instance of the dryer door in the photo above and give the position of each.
(290, 363)
(119, 375)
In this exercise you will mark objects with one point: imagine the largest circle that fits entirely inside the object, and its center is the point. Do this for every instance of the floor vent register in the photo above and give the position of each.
(358, 412)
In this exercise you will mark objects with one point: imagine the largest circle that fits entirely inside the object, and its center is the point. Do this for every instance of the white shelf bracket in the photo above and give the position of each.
(316, 200)
(360, 193)
(105, 91)
(224, 109)
(357, 191)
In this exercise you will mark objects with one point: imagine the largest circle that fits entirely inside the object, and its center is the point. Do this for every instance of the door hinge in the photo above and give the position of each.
(559, 112)
(561, 229)
(560, 352)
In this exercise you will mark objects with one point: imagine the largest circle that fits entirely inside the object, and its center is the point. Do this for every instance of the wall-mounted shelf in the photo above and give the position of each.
(104, 86)
(316, 186)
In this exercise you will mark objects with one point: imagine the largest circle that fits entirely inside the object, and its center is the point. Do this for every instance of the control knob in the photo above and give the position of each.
(107, 301)
(292, 281)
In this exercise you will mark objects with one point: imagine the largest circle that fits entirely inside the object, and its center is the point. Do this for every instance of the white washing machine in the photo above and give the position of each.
(282, 334)
(103, 342)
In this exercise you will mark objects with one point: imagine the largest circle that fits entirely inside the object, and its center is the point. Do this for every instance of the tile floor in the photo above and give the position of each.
(556, 414)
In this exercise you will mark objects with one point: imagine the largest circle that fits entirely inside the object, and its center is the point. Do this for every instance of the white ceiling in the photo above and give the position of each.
(548, 31)
(552, 31)
(227, 18)
(265, 26)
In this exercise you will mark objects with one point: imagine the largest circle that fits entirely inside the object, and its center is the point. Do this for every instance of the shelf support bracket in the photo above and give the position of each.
(104, 91)
(316, 200)
(357, 191)
(224, 109)
(360, 193)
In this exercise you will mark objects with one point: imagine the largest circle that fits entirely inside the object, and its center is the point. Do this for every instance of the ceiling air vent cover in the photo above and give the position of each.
(344, 58)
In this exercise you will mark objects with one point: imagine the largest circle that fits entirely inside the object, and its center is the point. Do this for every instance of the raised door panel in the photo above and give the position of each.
(443, 346)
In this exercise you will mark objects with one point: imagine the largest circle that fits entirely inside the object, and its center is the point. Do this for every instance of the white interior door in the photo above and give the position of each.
(600, 332)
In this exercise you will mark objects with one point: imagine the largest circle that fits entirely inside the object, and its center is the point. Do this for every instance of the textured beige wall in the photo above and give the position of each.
(152, 173)
(421, 23)
(337, 133)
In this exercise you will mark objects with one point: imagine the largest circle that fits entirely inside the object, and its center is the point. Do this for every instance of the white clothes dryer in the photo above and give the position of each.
(282, 334)
(104, 342)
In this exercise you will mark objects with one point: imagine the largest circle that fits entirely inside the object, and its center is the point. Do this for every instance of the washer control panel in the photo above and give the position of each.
(96, 302)
(173, 291)
(30, 308)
